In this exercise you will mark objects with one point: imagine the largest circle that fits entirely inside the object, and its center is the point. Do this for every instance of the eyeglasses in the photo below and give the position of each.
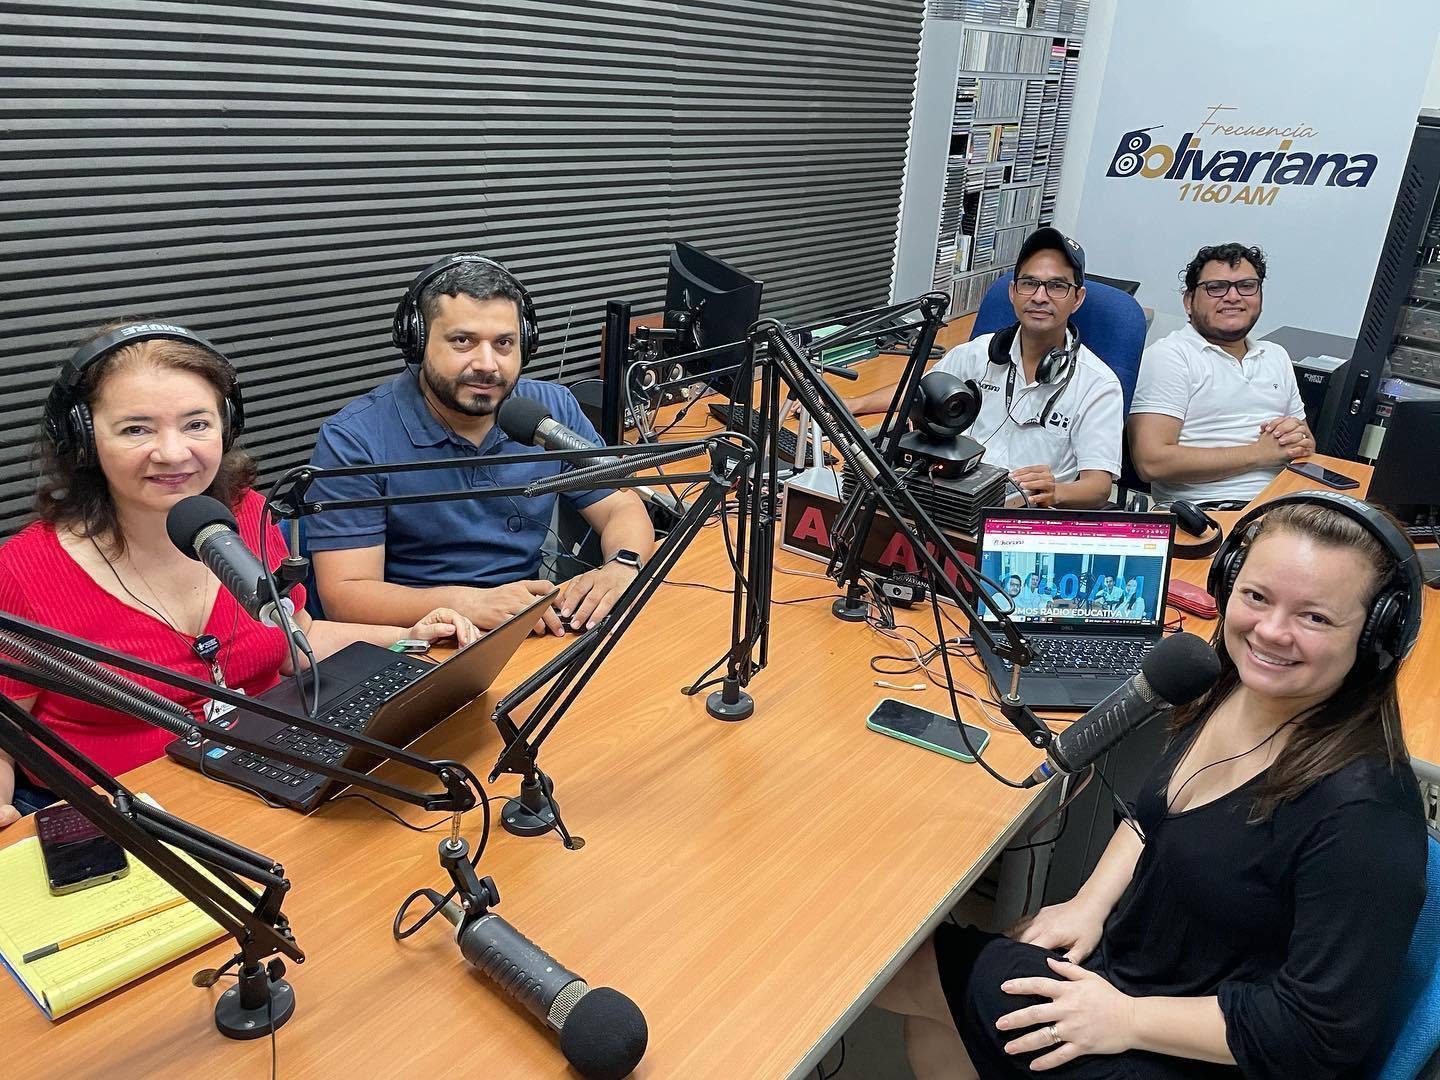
(1055, 288)
(1216, 290)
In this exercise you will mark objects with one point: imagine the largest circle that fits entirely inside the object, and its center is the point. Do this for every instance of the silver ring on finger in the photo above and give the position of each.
(1054, 1034)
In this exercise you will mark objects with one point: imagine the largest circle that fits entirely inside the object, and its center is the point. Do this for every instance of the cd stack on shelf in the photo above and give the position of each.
(1062, 127)
(1061, 16)
(983, 11)
(951, 216)
(1029, 130)
(955, 505)
(1013, 97)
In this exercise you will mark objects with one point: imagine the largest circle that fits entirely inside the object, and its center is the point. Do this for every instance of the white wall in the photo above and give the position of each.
(1094, 55)
(1431, 100)
(1164, 62)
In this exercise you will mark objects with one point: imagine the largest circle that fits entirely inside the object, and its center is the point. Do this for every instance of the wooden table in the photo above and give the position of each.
(751, 885)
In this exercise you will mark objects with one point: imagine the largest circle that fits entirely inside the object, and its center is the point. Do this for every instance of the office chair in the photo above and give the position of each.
(1414, 1052)
(1111, 325)
(576, 546)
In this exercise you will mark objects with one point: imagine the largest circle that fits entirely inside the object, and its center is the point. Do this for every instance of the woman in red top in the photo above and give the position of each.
(99, 564)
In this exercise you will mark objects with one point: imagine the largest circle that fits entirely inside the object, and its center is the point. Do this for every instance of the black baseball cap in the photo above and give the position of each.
(1048, 239)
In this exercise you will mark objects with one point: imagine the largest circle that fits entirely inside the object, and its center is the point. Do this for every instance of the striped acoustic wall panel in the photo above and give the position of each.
(272, 174)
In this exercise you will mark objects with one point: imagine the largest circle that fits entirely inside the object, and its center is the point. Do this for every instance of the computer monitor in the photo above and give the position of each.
(1407, 472)
(710, 303)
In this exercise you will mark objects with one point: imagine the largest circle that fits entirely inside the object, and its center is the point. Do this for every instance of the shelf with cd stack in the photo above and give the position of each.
(1000, 76)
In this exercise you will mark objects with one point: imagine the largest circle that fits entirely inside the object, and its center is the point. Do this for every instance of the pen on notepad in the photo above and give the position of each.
(65, 943)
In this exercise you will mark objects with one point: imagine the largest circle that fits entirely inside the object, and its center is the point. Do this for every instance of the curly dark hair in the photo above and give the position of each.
(1361, 719)
(1229, 254)
(476, 280)
(78, 497)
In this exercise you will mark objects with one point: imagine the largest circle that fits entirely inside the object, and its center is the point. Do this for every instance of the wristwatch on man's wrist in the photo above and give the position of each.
(625, 558)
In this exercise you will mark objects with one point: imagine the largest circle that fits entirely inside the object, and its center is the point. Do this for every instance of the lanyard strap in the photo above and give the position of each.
(1064, 383)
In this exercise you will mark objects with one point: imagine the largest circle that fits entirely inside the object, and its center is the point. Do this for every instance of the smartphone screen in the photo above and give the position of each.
(1328, 477)
(932, 730)
(76, 853)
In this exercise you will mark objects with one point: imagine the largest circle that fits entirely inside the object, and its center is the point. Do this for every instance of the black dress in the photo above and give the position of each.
(1298, 925)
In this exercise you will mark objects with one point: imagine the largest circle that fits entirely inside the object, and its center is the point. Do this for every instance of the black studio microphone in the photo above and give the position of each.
(602, 1032)
(205, 529)
(528, 421)
(1175, 672)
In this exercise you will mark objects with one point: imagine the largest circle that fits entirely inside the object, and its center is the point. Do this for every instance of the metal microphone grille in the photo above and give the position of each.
(565, 1001)
(218, 529)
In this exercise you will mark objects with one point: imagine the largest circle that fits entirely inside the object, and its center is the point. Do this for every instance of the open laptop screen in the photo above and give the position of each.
(1078, 568)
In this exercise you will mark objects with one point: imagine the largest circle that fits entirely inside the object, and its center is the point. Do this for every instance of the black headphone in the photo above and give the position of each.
(1055, 364)
(1196, 522)
(408, 330)
(68, 423)
(1393, 623)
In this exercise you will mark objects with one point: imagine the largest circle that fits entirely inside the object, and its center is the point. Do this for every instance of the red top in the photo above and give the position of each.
(40, 581)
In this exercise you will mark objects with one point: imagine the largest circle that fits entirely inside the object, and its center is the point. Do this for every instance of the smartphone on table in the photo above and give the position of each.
(77, 854)
(932, 730)
(1328, 477)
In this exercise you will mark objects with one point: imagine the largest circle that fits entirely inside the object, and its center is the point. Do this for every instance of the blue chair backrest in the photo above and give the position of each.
(1110, 321)
(1417, 991)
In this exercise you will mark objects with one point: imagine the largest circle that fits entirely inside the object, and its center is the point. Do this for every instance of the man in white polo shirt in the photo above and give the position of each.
(1216, 415)
(1050, 409)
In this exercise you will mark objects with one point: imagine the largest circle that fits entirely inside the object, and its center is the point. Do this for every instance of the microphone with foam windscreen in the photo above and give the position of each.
(528, 421)
(1175, 672)
(205, 529)
(602, 1032)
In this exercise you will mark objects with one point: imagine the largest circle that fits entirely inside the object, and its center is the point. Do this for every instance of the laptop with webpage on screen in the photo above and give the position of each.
(1088, 589)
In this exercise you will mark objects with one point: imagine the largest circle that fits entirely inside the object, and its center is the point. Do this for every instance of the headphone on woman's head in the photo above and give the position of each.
(408, 330)
(1393, 621)
(68, 423)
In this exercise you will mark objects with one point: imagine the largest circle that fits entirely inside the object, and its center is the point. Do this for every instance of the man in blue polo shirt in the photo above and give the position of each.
(466, 326)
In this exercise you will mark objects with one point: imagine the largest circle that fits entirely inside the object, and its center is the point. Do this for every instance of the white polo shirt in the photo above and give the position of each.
(1082, 431)
(1219, 401)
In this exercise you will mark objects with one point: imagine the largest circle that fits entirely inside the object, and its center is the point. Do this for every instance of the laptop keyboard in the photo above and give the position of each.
(351, 713)
(1086, 655)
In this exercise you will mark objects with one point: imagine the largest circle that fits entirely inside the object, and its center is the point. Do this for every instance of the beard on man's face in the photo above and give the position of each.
(1211, 332)
(460, 393)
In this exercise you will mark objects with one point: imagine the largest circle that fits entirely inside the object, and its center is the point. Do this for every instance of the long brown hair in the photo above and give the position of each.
(78, 497)
(1361, 719)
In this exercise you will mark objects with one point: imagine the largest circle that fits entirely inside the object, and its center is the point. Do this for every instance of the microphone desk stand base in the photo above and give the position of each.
(260, 1003)
(730, 703)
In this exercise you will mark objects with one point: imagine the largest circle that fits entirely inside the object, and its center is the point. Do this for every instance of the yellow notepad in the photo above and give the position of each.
(62, 982)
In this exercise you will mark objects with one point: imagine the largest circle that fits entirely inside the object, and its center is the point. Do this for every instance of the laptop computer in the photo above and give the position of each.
(1088, 589)
(363, 689)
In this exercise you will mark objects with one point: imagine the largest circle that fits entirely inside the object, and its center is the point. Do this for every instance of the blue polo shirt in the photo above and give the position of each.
(466, 542)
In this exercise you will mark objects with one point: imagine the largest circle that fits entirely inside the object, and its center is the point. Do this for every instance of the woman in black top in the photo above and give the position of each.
(1258, 927)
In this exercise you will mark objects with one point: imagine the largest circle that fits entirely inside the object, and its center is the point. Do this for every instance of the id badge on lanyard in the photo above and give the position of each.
(207, 648)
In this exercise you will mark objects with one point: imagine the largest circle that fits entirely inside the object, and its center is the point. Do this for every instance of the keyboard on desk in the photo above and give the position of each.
(296, 786)
(730, 416)
(1087, 655)
(351, 713)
